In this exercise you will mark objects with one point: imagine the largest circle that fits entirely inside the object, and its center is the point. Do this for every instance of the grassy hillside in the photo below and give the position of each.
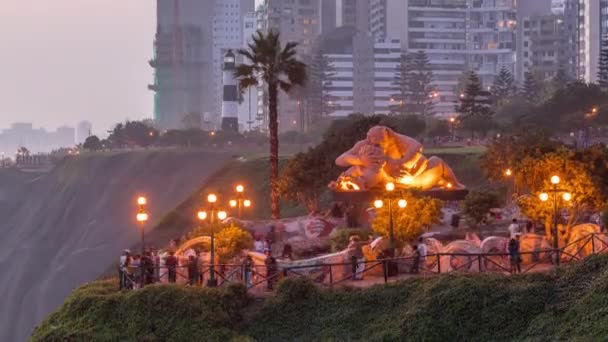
(570, 305)
(252, 173)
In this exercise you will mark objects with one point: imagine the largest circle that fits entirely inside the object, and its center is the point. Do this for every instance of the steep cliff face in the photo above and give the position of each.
(64, 228)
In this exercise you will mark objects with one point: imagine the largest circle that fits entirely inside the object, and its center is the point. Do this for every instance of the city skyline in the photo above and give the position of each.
(54, 75)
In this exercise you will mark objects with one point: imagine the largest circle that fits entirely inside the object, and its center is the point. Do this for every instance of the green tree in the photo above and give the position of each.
(302, 180)
(133, 133)
(602, 73)
(577, 177)
(440, 128)
(477, 205)
(318, 100)
(402, 80)
(92, 143)
(503, 88)
(532, 88)
(278, 67)
(231, 241)
(411, 125)
(474, 106)
(408, 222)
(192, 121)
(421, 89)
(508, 151)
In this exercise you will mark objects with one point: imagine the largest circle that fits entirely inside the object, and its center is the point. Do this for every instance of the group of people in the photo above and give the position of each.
(139, 269)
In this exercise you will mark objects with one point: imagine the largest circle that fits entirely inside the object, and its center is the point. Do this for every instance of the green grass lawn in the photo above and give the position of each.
(455, 150)
(564, 306)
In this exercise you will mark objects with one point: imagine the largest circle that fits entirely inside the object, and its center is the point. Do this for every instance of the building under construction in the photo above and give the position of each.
(182, 61)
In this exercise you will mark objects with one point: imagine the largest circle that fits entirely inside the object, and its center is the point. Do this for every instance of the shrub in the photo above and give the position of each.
(338, 240)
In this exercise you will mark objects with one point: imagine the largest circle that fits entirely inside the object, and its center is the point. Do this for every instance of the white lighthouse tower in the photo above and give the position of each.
(230, 102)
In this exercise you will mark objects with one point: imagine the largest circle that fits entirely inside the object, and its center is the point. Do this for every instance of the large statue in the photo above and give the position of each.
(386, 156)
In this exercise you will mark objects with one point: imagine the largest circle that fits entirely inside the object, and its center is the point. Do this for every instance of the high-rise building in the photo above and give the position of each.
(589, 38)
(192, 37)
(558, 7)
(548, 45)
(297, 21)
(83, 131)
(338, 13)
(182, 60)
(363, 71)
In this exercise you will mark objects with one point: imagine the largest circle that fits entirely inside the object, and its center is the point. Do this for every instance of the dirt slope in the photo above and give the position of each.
(64, 228)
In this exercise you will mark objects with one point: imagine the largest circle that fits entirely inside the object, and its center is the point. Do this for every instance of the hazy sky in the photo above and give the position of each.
(63, 61)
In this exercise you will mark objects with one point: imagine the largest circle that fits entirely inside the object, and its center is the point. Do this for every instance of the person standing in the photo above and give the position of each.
(513, 229)
(514, 256)
(247, 268)
(287, 252)
(192, 270)
(416, 261)
(357, 259)
(271, 270)
(123, 266)
(171, 264)
(423, 251)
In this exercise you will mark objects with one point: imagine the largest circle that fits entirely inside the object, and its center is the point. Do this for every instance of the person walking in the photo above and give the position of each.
(171, 264)
(514, 256)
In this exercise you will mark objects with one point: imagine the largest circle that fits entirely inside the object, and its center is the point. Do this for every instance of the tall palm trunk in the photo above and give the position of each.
(273, 128)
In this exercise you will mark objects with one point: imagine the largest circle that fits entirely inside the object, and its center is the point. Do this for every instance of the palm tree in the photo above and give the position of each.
(278, 67)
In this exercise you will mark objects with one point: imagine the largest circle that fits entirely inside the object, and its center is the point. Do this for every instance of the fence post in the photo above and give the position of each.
(385, 264)
(331, 275)
(438, 263)
(479, 262)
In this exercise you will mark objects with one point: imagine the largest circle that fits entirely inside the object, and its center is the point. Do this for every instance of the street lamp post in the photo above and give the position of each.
(452, 122)
(142, 217)
(240, 200)
(402, 203)
(544, 196)
(508, 175)
(202, 216)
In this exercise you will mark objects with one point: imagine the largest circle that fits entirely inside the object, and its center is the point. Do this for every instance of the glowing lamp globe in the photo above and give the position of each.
(142, 217)
(232, 203)
(141, 200)
(544, 196)
(240, 188)
(378, 204)
(212, 198)
(202, 215)
(555, 180)
(247, 203)
(390, 186)
(402, 203)
(508, 172)
(567, 196)
(222, 215)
